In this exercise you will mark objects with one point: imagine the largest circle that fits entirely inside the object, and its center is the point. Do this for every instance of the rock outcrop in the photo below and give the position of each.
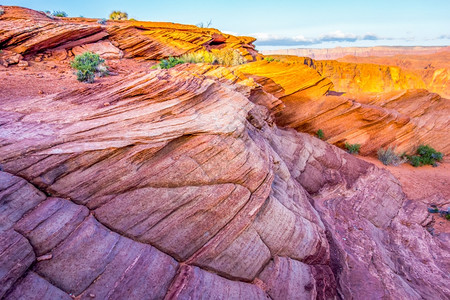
(181, 184)
(183, 180)
(25, 31)
(374, 106)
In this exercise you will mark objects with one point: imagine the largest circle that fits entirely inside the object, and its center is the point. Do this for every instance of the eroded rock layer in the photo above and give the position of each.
(179, 184)
(183, 180)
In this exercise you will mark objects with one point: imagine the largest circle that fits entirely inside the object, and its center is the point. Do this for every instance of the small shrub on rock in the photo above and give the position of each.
(352, 148)
(170, 62)
(89, 65)
(389, 157)
(320, 134)
(118, 15)
(269, 59)
(426, 155)
(59, 13)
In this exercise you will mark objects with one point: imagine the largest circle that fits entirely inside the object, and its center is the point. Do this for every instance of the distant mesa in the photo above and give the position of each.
(339, 52)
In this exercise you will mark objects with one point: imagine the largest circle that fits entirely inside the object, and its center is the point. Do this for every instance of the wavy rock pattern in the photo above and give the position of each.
(173, 181)
(178, 184)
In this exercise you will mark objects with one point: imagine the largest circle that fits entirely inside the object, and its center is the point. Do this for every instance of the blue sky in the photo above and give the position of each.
(287, 24)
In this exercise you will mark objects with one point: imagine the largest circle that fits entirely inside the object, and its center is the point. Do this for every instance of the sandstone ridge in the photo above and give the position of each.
(188, 183)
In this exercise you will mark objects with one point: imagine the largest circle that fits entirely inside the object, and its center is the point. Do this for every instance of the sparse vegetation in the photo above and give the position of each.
(320, 134)
(59, 13)
(352, 148)
(89, 65)
(229, 57)
(199, 57)
(170, 62)
(389, 157)
(426, 155)
(269, 59)
(118, 15)
(102, 21)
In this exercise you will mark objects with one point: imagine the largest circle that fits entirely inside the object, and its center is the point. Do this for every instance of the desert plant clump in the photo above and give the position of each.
(89, 65)
(118, 15)
(170, 62)
(199, 57)
(389, 157)
(352, 148)
(269, 59)
(320, 134)
(59, 13)
(426, 155)
(229, 57)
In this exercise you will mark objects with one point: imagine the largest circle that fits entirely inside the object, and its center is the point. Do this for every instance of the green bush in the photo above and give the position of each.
(170, 62)
(389, 157)
(269, 59)
(320, 134)
(426, 155)
(352, 148)
(59, 13)
(118, 15)
(228, 57)
(89, 65)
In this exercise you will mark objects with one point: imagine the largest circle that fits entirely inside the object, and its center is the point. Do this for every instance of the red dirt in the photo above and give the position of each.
(426, 184)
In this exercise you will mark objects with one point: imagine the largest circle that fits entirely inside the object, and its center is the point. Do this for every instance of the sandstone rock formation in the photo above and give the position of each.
(375, 106)
(180, 184)
(149, 40)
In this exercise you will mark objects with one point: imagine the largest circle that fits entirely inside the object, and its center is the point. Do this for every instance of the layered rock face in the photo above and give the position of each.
(183, 188)
(180, 184)
(372, 105)
(28, 32)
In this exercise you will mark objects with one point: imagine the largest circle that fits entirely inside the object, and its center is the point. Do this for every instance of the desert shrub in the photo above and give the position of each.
(426, 155)
(102, 21)
(2, 11)
(118, 15)
(229, 57)
(352, 148)
(89, 65)
(59, 13)
(199, 57)
(269, 59)
(320, 134)
(170, 62)
(389, 157)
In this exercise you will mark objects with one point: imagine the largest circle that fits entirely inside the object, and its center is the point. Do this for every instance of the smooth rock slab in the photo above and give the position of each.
(16, 198)
(94, 260)
(34, 287)
(195, 283)
(50, 223)
(16, 256)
